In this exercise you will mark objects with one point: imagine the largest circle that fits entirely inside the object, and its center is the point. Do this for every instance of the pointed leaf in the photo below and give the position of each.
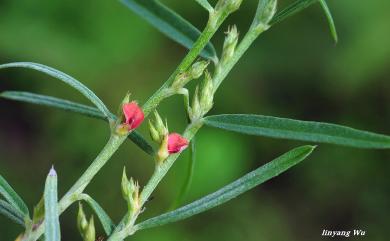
(52, 222)
(10, 212)
(205, 4)
(169, 23)
(291, 9)
(329, 17)
(105, 220)
(245, 183)
(298, 130)
(53, 102)
(12, 197)
(67, 105)
(64, 78)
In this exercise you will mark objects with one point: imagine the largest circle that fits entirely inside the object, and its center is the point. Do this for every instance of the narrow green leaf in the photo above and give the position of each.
(205, 4)
(141, 142)
(291, 9)
(67, 105)
(12, 197)
(53, 102)
(188, 180)
(329, 17)
(169, 23)
(66, 79)
(298, 130)
(245, 183)
(105, 220)
(10, 212)
(52, 222)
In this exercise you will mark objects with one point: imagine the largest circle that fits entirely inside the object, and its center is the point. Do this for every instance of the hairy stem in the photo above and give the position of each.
(210, 29)
(115, 141)
(122, 231)
(72, 195)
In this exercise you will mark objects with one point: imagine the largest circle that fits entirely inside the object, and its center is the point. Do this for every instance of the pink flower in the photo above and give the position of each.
(133, 115)
(176, 143)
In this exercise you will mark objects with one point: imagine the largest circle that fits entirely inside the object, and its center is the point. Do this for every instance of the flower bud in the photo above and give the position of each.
(180, 80)
(157, 128)
(160, 127)
(153, 132)
(176, 143)
(194, 72)
(229, 45)
(198, 68)
(264, 14)
(82, 222)
(125, 183)
(228, 6)
(134, 116)
(207, 94)
(130, 192)
(89, 234)
(195, 111)
(163, 152)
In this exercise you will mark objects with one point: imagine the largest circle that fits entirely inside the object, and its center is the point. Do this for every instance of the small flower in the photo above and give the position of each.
(133, 115)
(176, 143)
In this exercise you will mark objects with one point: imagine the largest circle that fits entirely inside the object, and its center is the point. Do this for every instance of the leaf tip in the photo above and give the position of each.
(52, 172)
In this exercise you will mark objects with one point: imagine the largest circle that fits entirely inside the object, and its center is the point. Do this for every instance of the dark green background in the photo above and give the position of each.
(294, 70)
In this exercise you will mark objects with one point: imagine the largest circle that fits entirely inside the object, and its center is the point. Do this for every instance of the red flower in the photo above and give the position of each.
(133, 115)
(176, 143)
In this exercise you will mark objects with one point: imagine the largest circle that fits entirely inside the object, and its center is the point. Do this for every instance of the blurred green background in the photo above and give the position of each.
(294, 70)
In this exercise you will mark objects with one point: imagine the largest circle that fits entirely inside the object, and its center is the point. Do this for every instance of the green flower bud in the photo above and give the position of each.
(229, 44)
(160, 127)
(157, 128)
(195, 111)
(180, 80)
(89, 234)
(228, 6)
(81, 220)
(264, 14)
(130, 192)
(207, 94)
(153, 132)
(194, 72)
(125, 184)
(162, 152)
(198, 68)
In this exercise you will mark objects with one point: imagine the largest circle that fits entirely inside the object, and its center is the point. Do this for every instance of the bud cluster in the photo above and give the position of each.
(169, 143)
(86, 229)
(223, 9)
(229, 47)
(130, 192)
(202, 101)
(194, 72)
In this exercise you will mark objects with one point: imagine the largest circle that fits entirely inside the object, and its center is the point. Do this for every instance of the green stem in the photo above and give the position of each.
(122, 230)
(210, 29)
(109, 149)
(72, 195)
